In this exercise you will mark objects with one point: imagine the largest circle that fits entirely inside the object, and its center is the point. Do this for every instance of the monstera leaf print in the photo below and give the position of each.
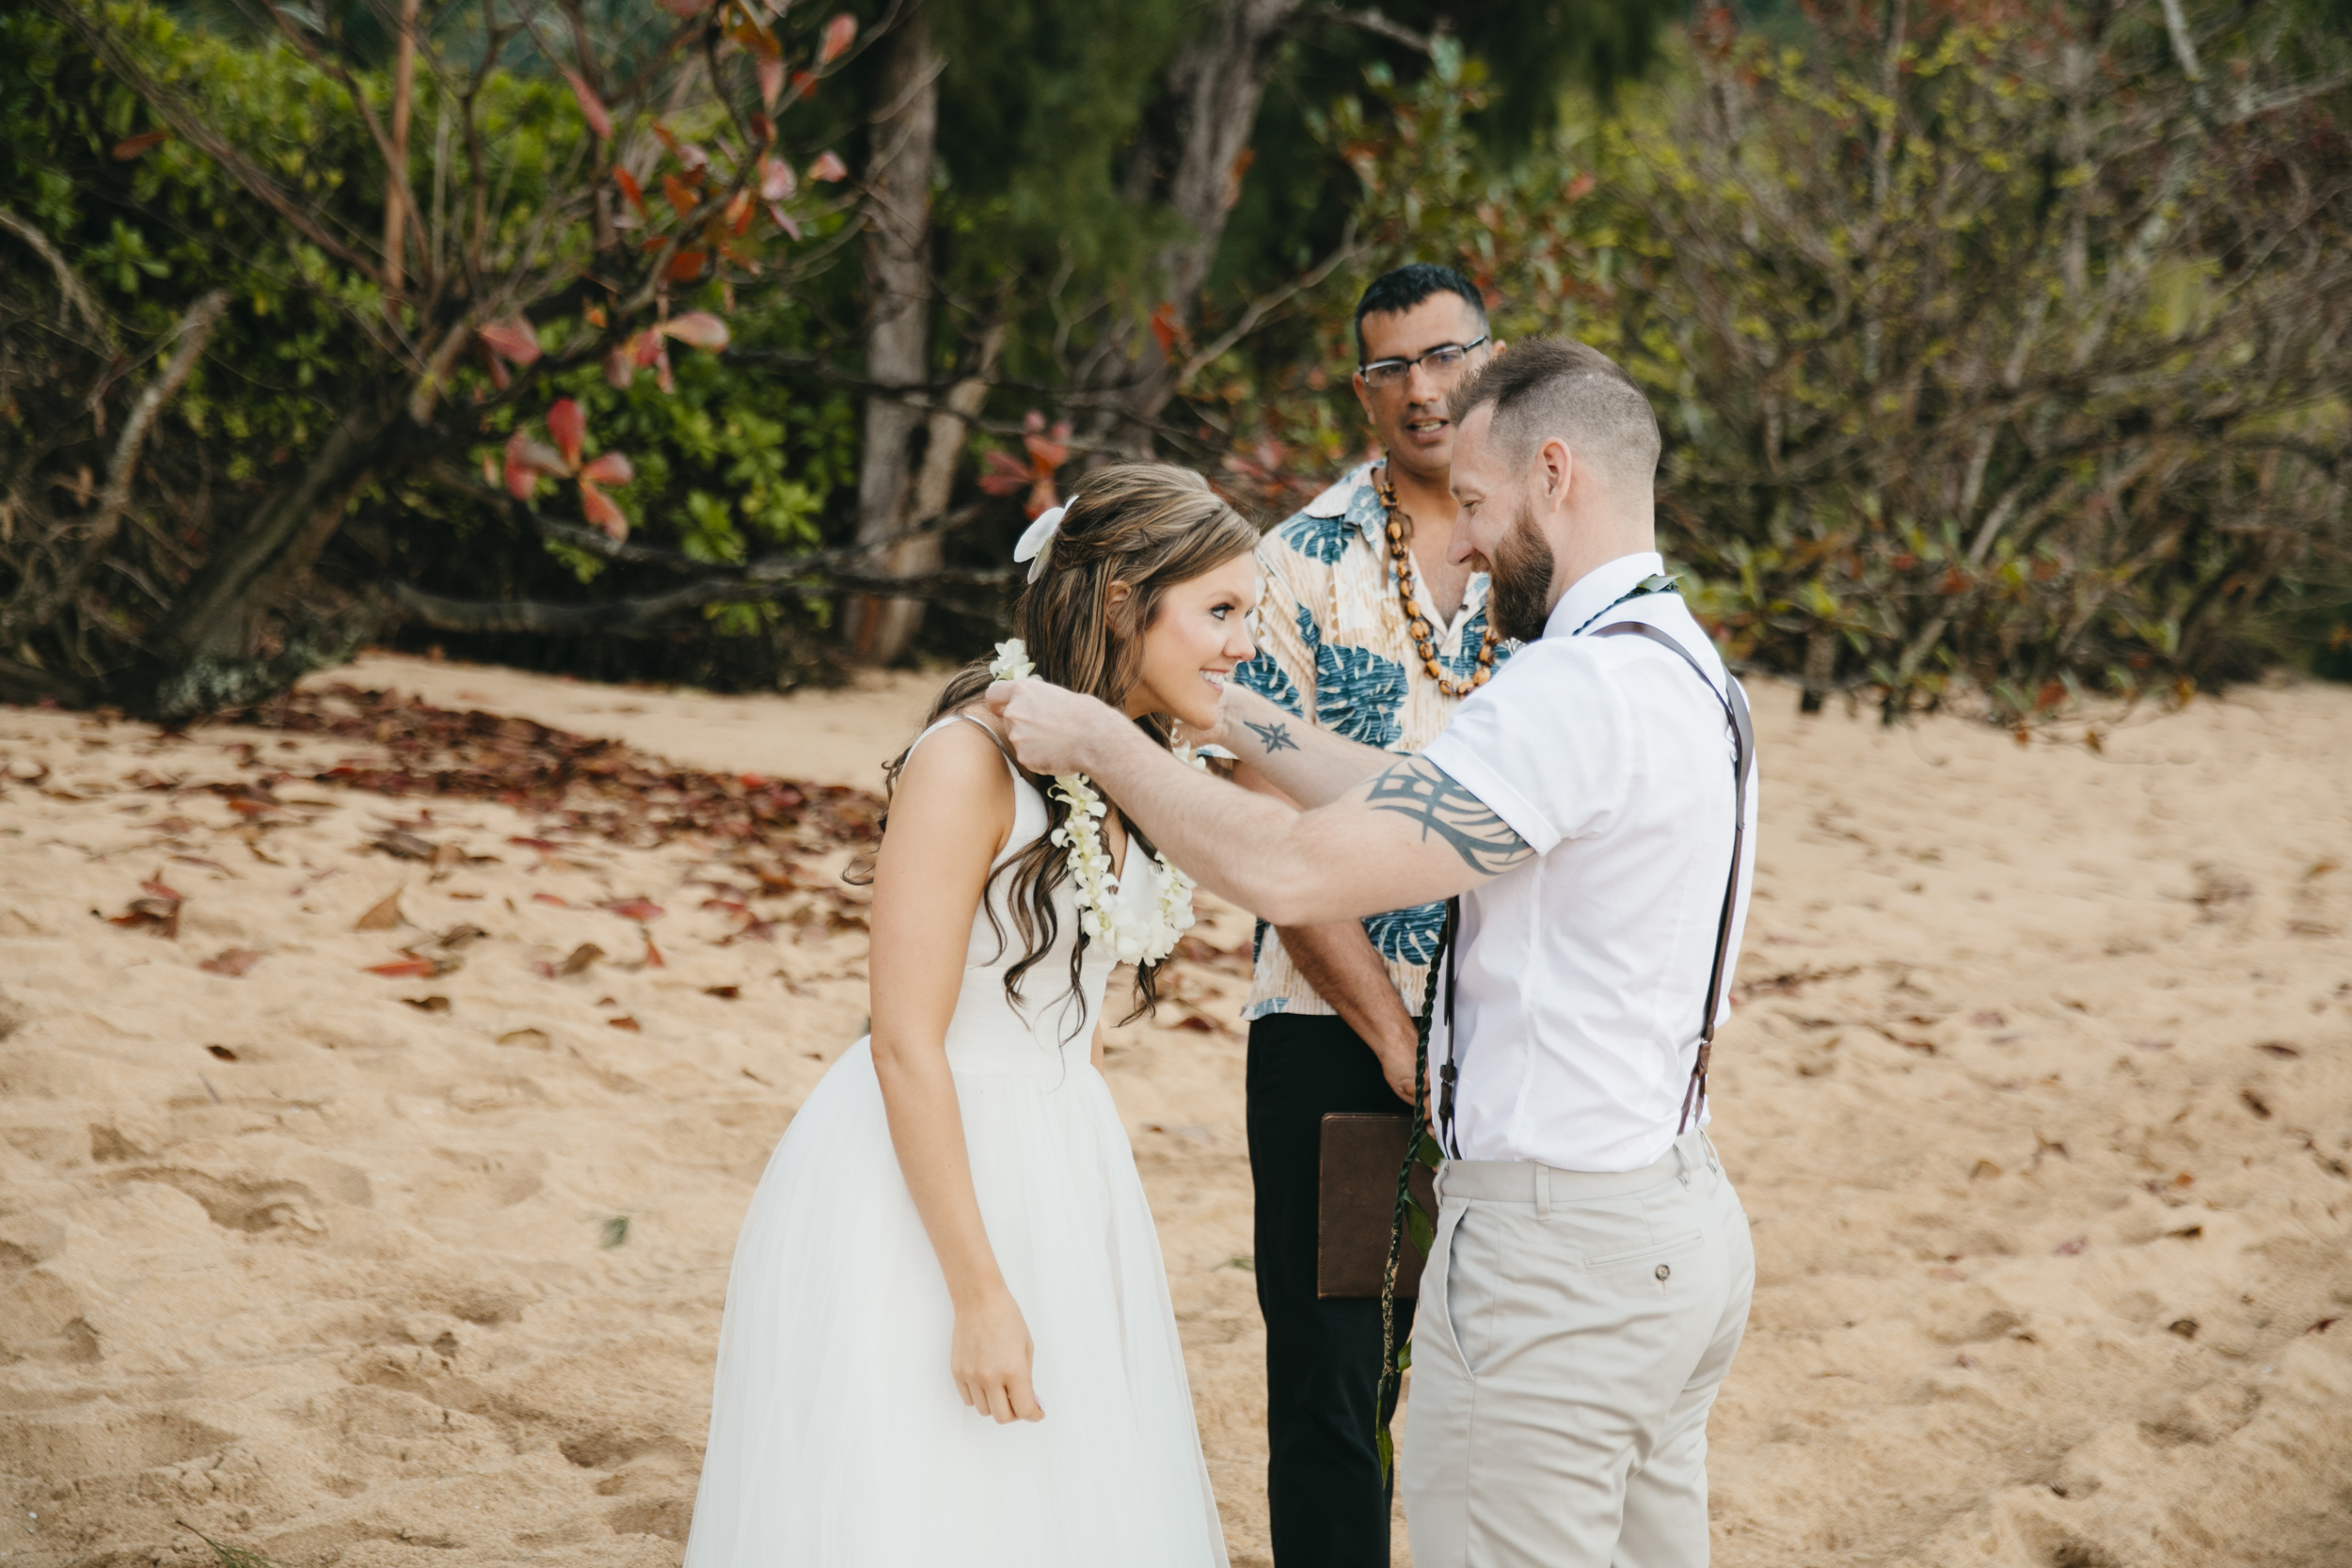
(1262, 675)
(1319, 538)
(1359, 694)
(1408, 936)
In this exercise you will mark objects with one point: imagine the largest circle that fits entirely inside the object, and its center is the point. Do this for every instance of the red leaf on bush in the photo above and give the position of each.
(681, 195)
(590, 107)
(512, 338)
(698, 329)
(1165, 328)
(686, 266)
(599, 508)
(132, 147)
(526, 460)
(687, 8)
(762, 129)
(647, 348)
(1581, 187)
(661, 369)
(1041, 498)
(489, 468)
(784, 220)
(686, 152)
(1049, 451)
(611, 468)
(1000, 475)
(775, 180)
(839, 34)
(828, 168)
(631, 188)
(771, 80)
(619, 368)
(805, 84)
(569, 427)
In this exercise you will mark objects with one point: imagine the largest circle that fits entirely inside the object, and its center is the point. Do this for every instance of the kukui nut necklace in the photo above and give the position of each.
(1400, 536)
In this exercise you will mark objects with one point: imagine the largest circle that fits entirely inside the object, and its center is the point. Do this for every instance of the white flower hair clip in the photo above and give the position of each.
(1037, 541)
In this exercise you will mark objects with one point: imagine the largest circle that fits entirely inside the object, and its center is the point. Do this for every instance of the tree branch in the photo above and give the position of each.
(77, 294)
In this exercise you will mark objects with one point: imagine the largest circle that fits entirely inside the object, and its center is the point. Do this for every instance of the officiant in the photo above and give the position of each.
(1369, 629)
(1591, 806)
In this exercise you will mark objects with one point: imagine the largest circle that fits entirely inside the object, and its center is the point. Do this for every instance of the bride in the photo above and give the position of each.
(947, 1335)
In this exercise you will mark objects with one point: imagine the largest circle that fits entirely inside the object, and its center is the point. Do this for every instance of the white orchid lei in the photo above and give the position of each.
(1132, 938)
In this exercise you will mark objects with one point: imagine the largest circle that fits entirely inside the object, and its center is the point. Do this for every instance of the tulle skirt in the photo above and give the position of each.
(836, 1436)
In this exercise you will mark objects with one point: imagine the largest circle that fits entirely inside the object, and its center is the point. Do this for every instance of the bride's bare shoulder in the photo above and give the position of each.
(957, 765)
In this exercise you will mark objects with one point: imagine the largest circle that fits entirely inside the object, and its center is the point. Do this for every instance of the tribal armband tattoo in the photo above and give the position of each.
(1274, 737)
(1422, 792)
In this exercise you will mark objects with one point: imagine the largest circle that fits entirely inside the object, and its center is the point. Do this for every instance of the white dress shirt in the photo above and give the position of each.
(1583, 972)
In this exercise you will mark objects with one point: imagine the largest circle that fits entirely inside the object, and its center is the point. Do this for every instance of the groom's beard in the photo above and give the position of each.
(1518, 580)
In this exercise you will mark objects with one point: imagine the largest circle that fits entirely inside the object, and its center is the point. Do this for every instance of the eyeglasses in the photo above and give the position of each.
(1443, 360)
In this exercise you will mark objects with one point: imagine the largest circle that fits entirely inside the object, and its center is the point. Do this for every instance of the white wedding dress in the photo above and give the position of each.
(836, 1436)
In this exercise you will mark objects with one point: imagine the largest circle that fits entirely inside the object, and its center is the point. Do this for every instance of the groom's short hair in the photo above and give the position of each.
(1548, 387)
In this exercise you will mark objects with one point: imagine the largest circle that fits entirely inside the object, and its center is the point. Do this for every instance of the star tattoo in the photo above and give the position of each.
(1274, 737)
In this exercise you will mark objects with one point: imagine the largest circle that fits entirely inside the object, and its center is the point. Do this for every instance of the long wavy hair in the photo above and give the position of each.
(1150, 526)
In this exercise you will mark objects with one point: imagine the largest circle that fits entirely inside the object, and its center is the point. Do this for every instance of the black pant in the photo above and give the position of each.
(1322, 1357)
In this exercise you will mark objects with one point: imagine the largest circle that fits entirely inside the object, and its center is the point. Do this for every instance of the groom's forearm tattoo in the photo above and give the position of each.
(1274, 737)
(1422, 792)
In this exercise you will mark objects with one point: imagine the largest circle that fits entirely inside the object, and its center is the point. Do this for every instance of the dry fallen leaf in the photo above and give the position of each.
(550, 898)
(724, 994)
(402, 845)
(633, 909)
(627, 1023)
(231, 961)
(534, 1040)
(578, 958)
(381, 916)
(427, 1003)
(446, 859)
(403, 968)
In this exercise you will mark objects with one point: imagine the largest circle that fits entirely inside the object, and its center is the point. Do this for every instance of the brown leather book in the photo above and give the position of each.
(1355, 1197)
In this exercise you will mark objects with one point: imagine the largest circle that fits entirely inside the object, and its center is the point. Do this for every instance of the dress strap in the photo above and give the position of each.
(984, 728)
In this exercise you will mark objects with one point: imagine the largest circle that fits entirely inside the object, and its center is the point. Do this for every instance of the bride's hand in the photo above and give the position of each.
(990, 1359)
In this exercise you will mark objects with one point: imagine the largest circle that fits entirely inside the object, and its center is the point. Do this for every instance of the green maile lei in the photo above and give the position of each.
(1132, 938)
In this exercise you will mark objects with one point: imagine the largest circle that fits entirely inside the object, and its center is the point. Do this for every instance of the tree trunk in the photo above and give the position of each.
(897, 330)
(1218, 79)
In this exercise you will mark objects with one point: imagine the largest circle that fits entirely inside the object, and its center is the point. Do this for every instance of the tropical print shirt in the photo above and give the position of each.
(1335, 649)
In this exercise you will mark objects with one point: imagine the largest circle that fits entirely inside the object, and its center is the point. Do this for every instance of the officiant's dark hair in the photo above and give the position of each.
(1150, 526)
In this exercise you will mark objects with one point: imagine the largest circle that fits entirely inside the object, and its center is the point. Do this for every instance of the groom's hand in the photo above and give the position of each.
(1051, 728)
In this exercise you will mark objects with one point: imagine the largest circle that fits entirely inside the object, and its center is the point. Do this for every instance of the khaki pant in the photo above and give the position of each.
(1573, 1330)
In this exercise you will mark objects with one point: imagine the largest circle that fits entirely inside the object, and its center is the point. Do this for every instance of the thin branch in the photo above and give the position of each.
(69, 283)
(1372, 22)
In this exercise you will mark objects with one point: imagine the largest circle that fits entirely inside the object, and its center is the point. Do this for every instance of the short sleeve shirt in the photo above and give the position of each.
(1583, 972)
(1335, 649)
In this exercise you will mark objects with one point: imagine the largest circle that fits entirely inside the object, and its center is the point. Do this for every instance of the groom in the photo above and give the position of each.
(1331, 1007)
(1592, 1270)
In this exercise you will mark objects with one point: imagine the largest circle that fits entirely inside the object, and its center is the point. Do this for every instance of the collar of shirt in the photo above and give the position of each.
(1600, 588)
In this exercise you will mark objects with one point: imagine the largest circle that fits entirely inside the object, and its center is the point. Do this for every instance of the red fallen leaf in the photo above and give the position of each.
(771, 80)
(132, 147)
(730, 905)
(653, 955)
(154, 888)
(631, 188)
(2072, 1248)
(602, 514)
(544, 845)
(231, 961)
(839, 34)
(633, 908)
(550, 898)
(685, 267)
(249, 808)
(611, 468)
(828, 168)
(403, 968)
(698, 329)
(569, 427)
(512, 338)
(590, 107)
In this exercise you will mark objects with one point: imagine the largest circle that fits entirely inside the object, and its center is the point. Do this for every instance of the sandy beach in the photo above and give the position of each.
(370, 1163)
